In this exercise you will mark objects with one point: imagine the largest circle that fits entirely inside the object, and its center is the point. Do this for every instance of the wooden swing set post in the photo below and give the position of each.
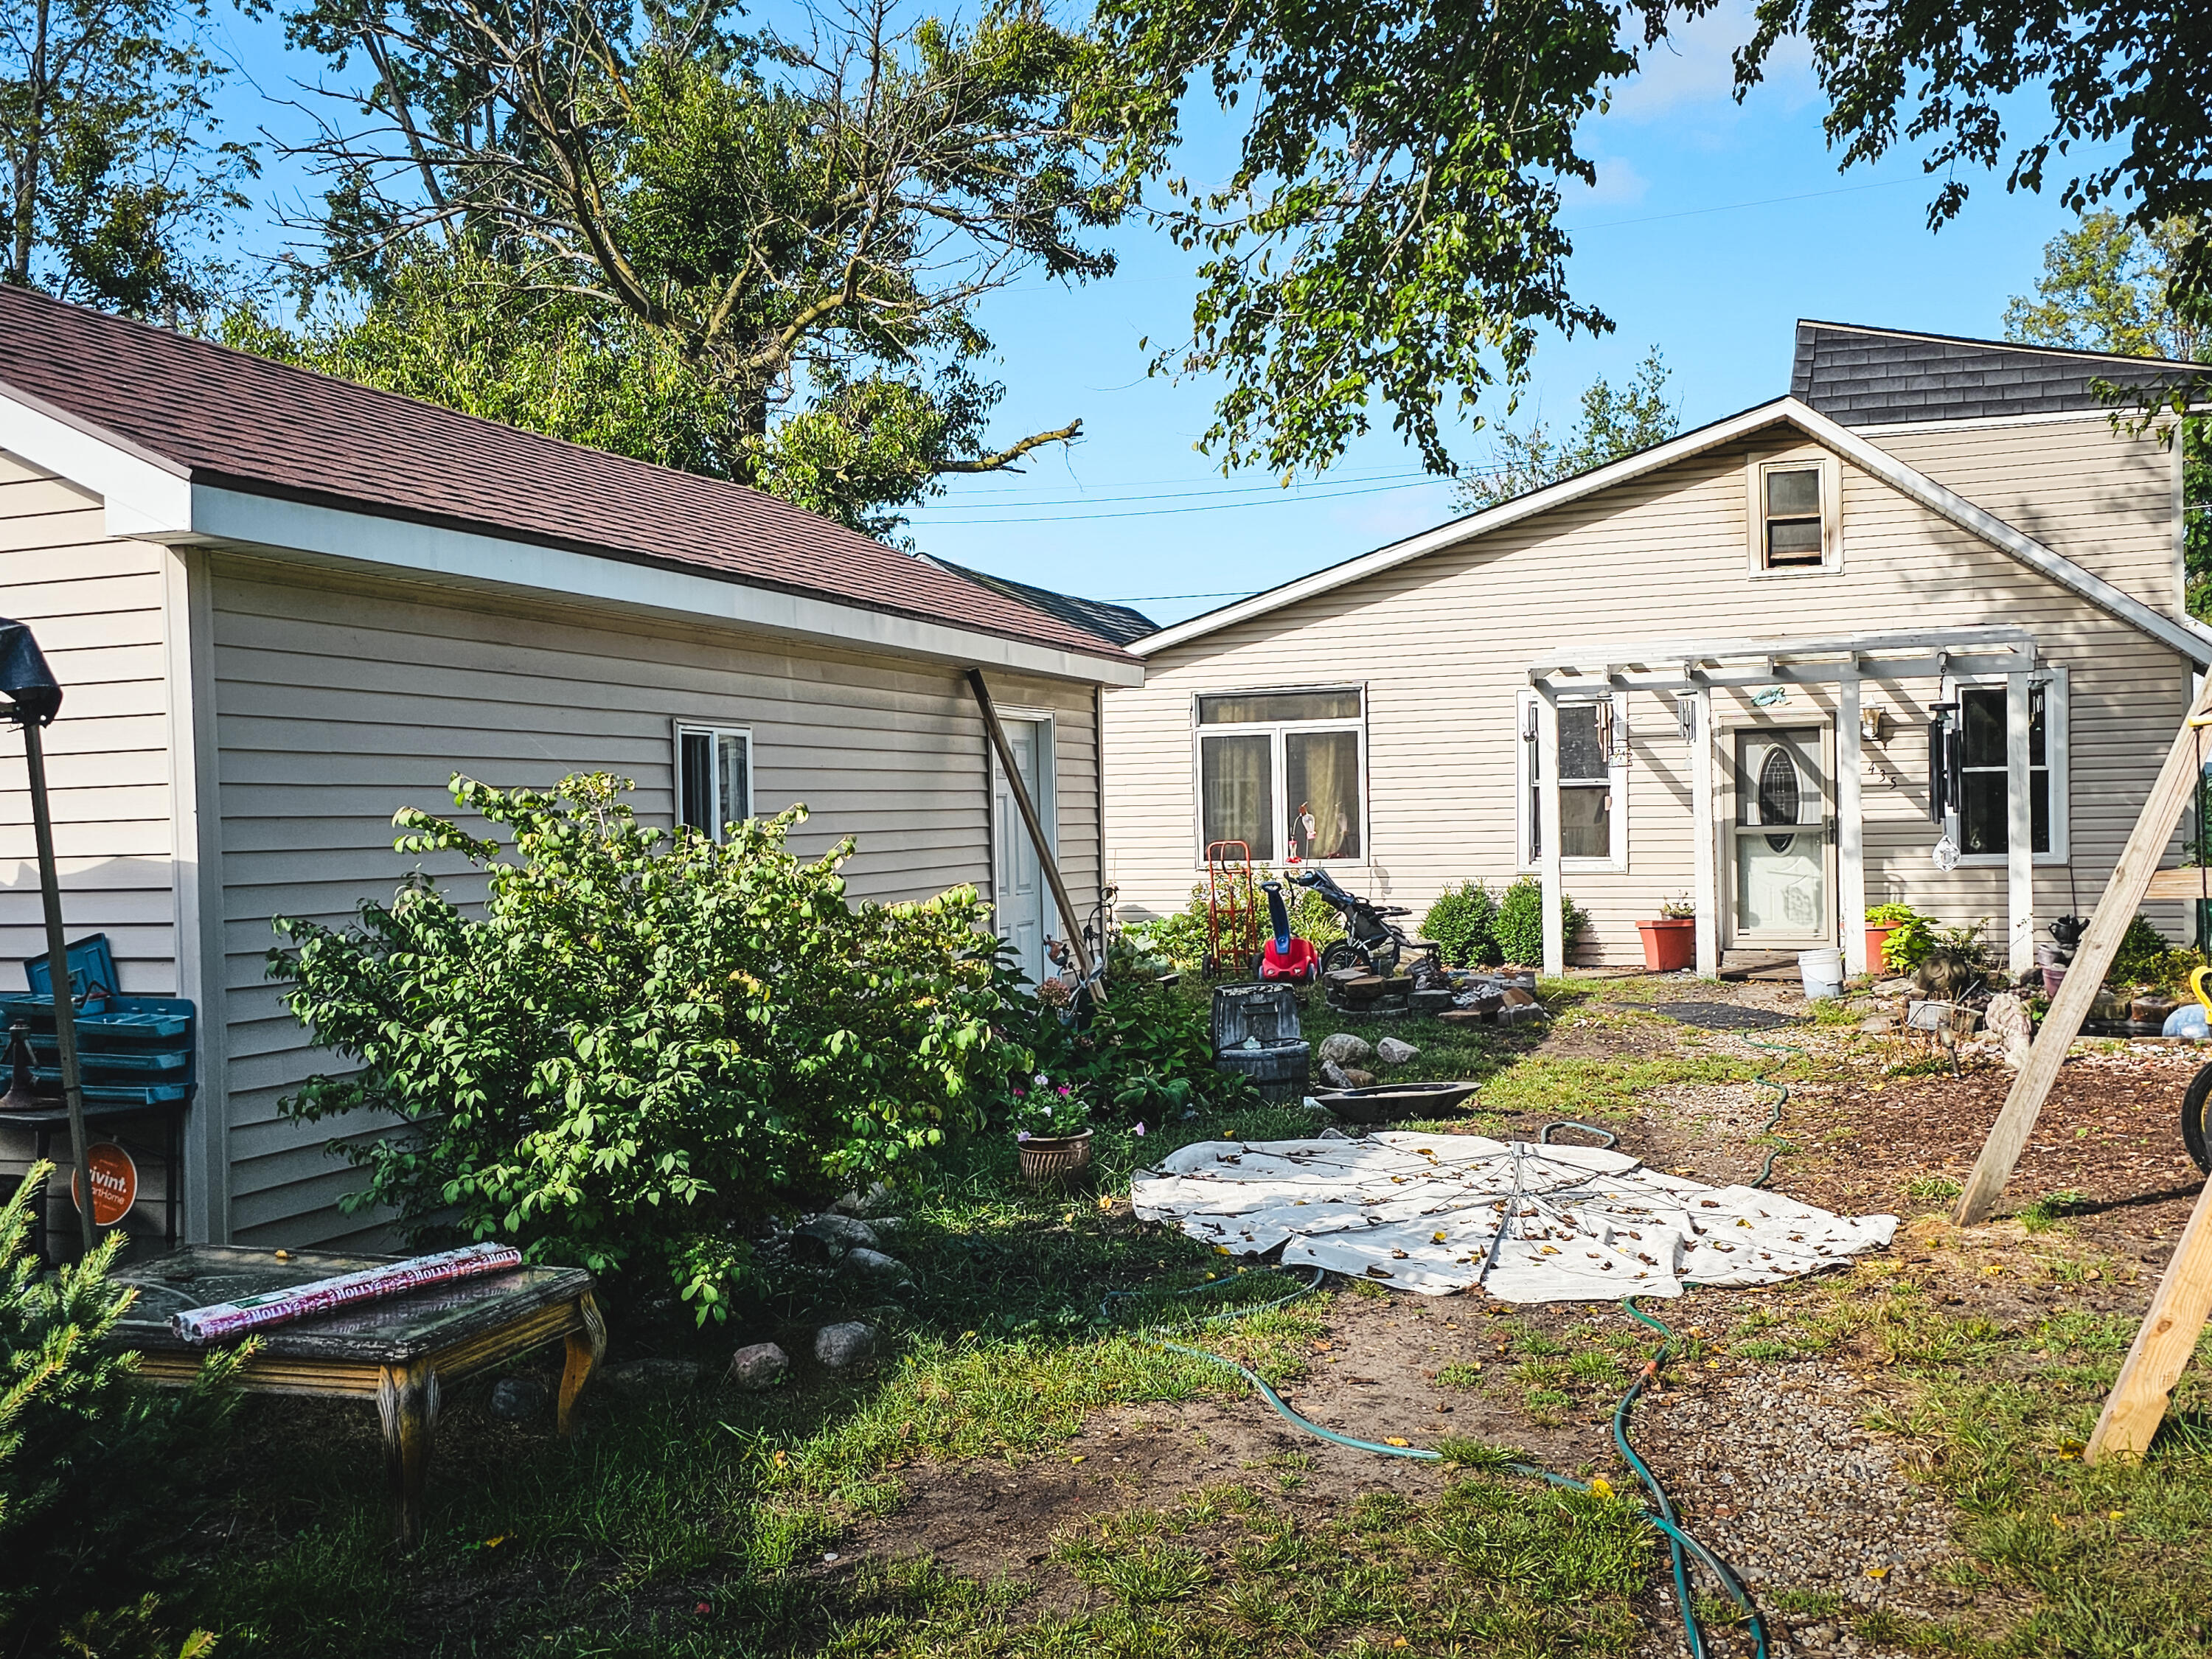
(2177, 1312)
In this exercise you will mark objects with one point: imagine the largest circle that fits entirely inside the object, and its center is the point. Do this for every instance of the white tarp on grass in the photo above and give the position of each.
(1440, 1213)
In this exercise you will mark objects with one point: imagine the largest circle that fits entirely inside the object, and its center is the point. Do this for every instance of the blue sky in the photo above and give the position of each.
(1712, 229)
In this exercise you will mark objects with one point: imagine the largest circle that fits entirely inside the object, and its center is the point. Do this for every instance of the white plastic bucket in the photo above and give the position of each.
(1823, 974)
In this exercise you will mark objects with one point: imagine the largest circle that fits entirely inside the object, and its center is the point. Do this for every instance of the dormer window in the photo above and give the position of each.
(1793, 516)
(1795, 522)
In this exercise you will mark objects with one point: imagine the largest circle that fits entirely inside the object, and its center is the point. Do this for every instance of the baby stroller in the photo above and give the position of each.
(1371, 940)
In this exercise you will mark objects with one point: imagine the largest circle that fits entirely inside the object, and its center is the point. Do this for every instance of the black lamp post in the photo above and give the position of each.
(33, 700)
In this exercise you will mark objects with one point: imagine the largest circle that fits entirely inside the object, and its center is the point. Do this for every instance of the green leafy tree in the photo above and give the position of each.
(642, 1043)
(792, 229)
(2107, 286)
(1389, 238)
(114, 181)
(1613, 424)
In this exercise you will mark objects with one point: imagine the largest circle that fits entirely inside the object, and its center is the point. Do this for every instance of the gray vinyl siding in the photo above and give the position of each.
(1443, 642)
(97, 608)
(338, 702)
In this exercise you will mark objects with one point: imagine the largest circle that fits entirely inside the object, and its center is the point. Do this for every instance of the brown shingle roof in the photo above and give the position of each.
(233, 419)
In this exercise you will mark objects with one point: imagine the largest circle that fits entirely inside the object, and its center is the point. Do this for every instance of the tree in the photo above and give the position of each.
(2107, 286)
(1390, 236)
(114, 181)
(1613, 424)
(2128, 85)
(791, 231)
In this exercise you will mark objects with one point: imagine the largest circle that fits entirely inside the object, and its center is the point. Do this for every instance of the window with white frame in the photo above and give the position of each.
(1593, 781)
(1796, 514)
(1283, 772)
(1981, 817)
(713, 777)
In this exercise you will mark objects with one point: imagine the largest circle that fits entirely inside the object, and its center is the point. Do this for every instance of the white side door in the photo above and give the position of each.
(1019, 895)
(1782, 885)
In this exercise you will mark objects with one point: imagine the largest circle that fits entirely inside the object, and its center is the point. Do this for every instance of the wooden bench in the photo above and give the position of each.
(399, 1352)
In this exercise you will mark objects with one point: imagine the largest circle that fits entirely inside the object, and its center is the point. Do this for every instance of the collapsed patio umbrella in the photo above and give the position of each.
(33, 700)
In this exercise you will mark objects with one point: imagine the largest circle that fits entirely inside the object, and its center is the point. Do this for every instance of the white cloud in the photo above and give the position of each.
(1694, 66)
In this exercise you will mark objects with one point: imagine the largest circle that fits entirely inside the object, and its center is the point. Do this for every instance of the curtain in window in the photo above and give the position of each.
(1321, 772)
(1237, 783)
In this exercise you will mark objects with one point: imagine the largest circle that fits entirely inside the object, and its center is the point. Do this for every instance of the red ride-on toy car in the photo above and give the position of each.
(1286, 959)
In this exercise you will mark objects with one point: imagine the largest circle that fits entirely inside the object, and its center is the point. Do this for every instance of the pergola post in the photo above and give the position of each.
(1704, 849)
(1548, 828)
(1851, 826)
(2020, 829)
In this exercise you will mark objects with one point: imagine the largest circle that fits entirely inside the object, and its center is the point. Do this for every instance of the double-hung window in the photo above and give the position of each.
(1982, 820)
(1283, 772)
(713, 777)
(1592, 782)
(1796, 513)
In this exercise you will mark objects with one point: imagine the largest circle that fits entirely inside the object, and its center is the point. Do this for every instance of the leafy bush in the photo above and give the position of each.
(2140, 959)
(1464, 921)
(1147, 1054)
(1180, 937)
(90, 1464)
(1521, 922)
(643, 1042)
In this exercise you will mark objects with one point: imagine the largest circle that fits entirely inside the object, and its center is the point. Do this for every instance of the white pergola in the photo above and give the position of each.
(1693, 669)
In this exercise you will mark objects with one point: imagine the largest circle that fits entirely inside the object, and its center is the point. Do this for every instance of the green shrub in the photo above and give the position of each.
(2140, 959)
(1520, 926)
(1464, 921)
(641, 1043)
(1146, 1054)
(91, 1465)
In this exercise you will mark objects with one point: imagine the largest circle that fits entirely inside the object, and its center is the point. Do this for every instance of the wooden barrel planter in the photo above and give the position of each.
(1048, 1160)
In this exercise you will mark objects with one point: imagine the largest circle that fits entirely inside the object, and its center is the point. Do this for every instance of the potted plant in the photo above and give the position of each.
(1670, 940)
(1051, 1123)
(1896, 937)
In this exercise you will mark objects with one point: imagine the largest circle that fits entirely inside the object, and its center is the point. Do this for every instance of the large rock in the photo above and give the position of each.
(842, 1347)
(859, 1203)
(1343, 1048)
(1395, 1051)
(761, 1366)
(839, 1232)
(519, 1399)
(874, 1264)
(654, 1373)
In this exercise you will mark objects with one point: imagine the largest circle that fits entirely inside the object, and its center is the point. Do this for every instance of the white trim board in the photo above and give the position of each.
(2190, 640)
(151, 499)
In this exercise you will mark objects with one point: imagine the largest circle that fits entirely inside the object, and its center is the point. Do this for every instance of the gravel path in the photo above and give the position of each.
(1773, 1470)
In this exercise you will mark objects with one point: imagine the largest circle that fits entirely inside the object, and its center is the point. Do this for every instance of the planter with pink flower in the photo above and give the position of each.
(1051, 1122)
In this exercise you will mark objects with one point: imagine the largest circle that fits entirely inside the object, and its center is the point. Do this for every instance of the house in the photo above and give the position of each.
(281, 605)
(1708, 671)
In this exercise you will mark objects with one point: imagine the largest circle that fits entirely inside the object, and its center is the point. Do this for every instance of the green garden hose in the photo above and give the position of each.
(1766, 1080)
(1680, 1545)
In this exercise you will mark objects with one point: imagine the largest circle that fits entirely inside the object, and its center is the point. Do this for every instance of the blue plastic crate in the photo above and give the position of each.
(91, 964)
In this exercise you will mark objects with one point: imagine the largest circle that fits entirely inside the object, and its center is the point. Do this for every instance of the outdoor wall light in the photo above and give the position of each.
(1871, 725)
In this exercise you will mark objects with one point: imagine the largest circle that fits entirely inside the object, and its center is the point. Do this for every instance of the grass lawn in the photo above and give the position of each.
(1015, 1478)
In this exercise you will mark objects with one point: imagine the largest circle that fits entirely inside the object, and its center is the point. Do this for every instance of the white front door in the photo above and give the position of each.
(1019, 893)
(1782, 880)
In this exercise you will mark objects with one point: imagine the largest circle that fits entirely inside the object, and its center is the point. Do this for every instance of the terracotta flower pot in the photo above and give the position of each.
(1877, 947)
(1669, 944)
(1049, 1158)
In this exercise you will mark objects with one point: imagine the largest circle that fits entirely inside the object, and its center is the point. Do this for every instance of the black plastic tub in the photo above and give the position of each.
(1388, 1101)
(1279, 1068)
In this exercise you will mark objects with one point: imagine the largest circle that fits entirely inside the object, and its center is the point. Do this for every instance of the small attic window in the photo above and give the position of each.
(1794, 515)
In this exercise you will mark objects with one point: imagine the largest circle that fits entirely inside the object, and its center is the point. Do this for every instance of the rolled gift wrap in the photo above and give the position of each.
(253, 1312)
